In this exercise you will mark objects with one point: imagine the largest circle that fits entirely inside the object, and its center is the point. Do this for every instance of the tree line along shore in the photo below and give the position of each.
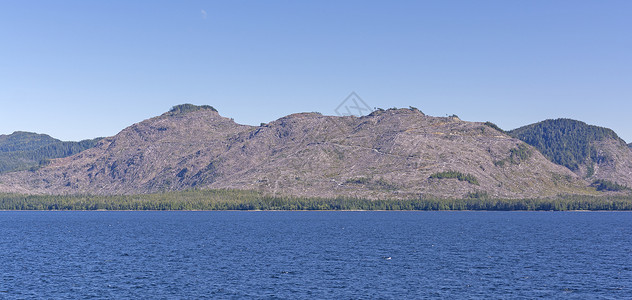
(252, 200)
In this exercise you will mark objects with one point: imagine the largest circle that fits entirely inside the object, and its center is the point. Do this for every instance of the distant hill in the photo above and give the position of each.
(389, 154)
(593, 152)
(26, 150)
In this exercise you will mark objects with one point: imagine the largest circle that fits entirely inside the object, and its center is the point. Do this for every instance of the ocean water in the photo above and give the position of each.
(315, 255)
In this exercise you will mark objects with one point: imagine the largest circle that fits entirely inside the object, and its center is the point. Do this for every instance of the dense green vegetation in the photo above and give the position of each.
(605, 185)
(494, 126)
(412, 108)
(378, 110)
(379, 184)
(519, 154)
(516, 156)
(590, 170)
(455, 174)
(249, 200)
(565, 142)
(26, 150)
(185, 108)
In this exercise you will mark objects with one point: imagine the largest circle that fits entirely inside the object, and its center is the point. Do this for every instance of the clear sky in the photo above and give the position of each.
(82, 69)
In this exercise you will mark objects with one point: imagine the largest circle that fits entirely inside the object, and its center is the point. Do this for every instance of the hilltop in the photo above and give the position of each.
(594, 153)
(26, 150)
(389, 154)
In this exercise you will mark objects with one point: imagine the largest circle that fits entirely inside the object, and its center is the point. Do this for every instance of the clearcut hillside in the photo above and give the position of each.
(389, 154)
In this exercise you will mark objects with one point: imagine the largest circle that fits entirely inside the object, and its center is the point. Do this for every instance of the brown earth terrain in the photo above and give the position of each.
(614, 163)
(397, 153)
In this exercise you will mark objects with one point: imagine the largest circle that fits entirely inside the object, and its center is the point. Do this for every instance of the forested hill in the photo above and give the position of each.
(26, 150)
(591, 151)
(564, 141)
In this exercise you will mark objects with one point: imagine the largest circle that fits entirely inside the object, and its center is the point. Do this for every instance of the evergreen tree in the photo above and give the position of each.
(565, 142)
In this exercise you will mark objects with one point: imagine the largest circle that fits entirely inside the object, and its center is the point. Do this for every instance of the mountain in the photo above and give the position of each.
(592, 152)
(26, 150)
(395, 153)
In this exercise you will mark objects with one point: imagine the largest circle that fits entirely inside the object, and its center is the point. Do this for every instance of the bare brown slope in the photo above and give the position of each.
(389, 154)
(613, 162)
(146, 157)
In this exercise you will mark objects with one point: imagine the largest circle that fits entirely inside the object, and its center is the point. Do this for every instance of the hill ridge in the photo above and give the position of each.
(593, 152)
(388, 154)
(22, 150)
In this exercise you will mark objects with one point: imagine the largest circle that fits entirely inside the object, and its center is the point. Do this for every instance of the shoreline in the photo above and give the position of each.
(293, 210)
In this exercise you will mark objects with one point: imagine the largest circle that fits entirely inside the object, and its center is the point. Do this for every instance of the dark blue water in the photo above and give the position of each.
(315, 255)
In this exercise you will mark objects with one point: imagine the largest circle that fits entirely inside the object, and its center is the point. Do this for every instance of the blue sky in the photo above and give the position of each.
(82, 69)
